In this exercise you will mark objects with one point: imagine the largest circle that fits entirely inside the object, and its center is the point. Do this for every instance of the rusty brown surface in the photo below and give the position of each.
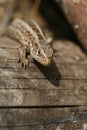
(76, 13)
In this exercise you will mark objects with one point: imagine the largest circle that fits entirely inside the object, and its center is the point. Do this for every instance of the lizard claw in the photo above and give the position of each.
(22, 57)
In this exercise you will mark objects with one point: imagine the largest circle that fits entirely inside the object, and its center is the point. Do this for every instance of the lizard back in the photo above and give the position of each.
(31, 36)
(22, 32)
(37, 29)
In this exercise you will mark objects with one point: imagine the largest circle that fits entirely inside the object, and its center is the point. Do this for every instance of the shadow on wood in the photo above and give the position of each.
(50, 72)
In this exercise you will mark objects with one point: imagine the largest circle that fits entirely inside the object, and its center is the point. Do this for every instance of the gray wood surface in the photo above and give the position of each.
(47, 119)
(43, 98)
(62, 83)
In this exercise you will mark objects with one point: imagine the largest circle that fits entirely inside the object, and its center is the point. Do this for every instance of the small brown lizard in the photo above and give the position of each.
(32, 40)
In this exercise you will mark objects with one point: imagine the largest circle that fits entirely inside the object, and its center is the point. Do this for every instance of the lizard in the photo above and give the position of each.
(30, 35)
(32, 40)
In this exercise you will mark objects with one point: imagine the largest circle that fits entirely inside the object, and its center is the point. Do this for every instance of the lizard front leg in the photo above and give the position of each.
(22, 56)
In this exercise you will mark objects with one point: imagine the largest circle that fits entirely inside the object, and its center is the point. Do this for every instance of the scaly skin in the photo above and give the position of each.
(32, 40)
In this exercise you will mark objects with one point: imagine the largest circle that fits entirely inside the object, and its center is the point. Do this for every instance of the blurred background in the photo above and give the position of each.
(48, 14)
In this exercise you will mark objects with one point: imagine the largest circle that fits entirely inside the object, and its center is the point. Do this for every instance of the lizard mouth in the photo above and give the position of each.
(47, 62)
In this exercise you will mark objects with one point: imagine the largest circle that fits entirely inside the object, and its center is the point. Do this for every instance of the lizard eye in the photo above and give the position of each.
(51, 50)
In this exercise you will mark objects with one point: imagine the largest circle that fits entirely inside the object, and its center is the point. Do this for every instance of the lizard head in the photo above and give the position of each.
(43, 52)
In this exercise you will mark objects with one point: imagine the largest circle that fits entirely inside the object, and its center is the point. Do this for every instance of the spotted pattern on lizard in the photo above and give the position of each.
(33, 40)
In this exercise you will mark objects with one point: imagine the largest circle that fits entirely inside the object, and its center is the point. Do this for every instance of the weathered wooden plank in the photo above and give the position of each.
(67, 79)
(59, 126)
(62, 126)
(63, 83)
(43, 119)
(60, 71)
(30, 97)
(42, 83)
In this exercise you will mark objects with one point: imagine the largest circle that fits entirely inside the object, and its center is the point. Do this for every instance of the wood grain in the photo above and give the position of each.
(61, 84)
(47, 119)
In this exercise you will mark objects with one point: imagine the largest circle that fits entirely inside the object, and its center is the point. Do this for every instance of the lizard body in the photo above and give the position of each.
(33, 40)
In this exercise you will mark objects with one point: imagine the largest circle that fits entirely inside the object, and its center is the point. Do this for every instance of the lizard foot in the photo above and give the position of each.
(22, 56)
